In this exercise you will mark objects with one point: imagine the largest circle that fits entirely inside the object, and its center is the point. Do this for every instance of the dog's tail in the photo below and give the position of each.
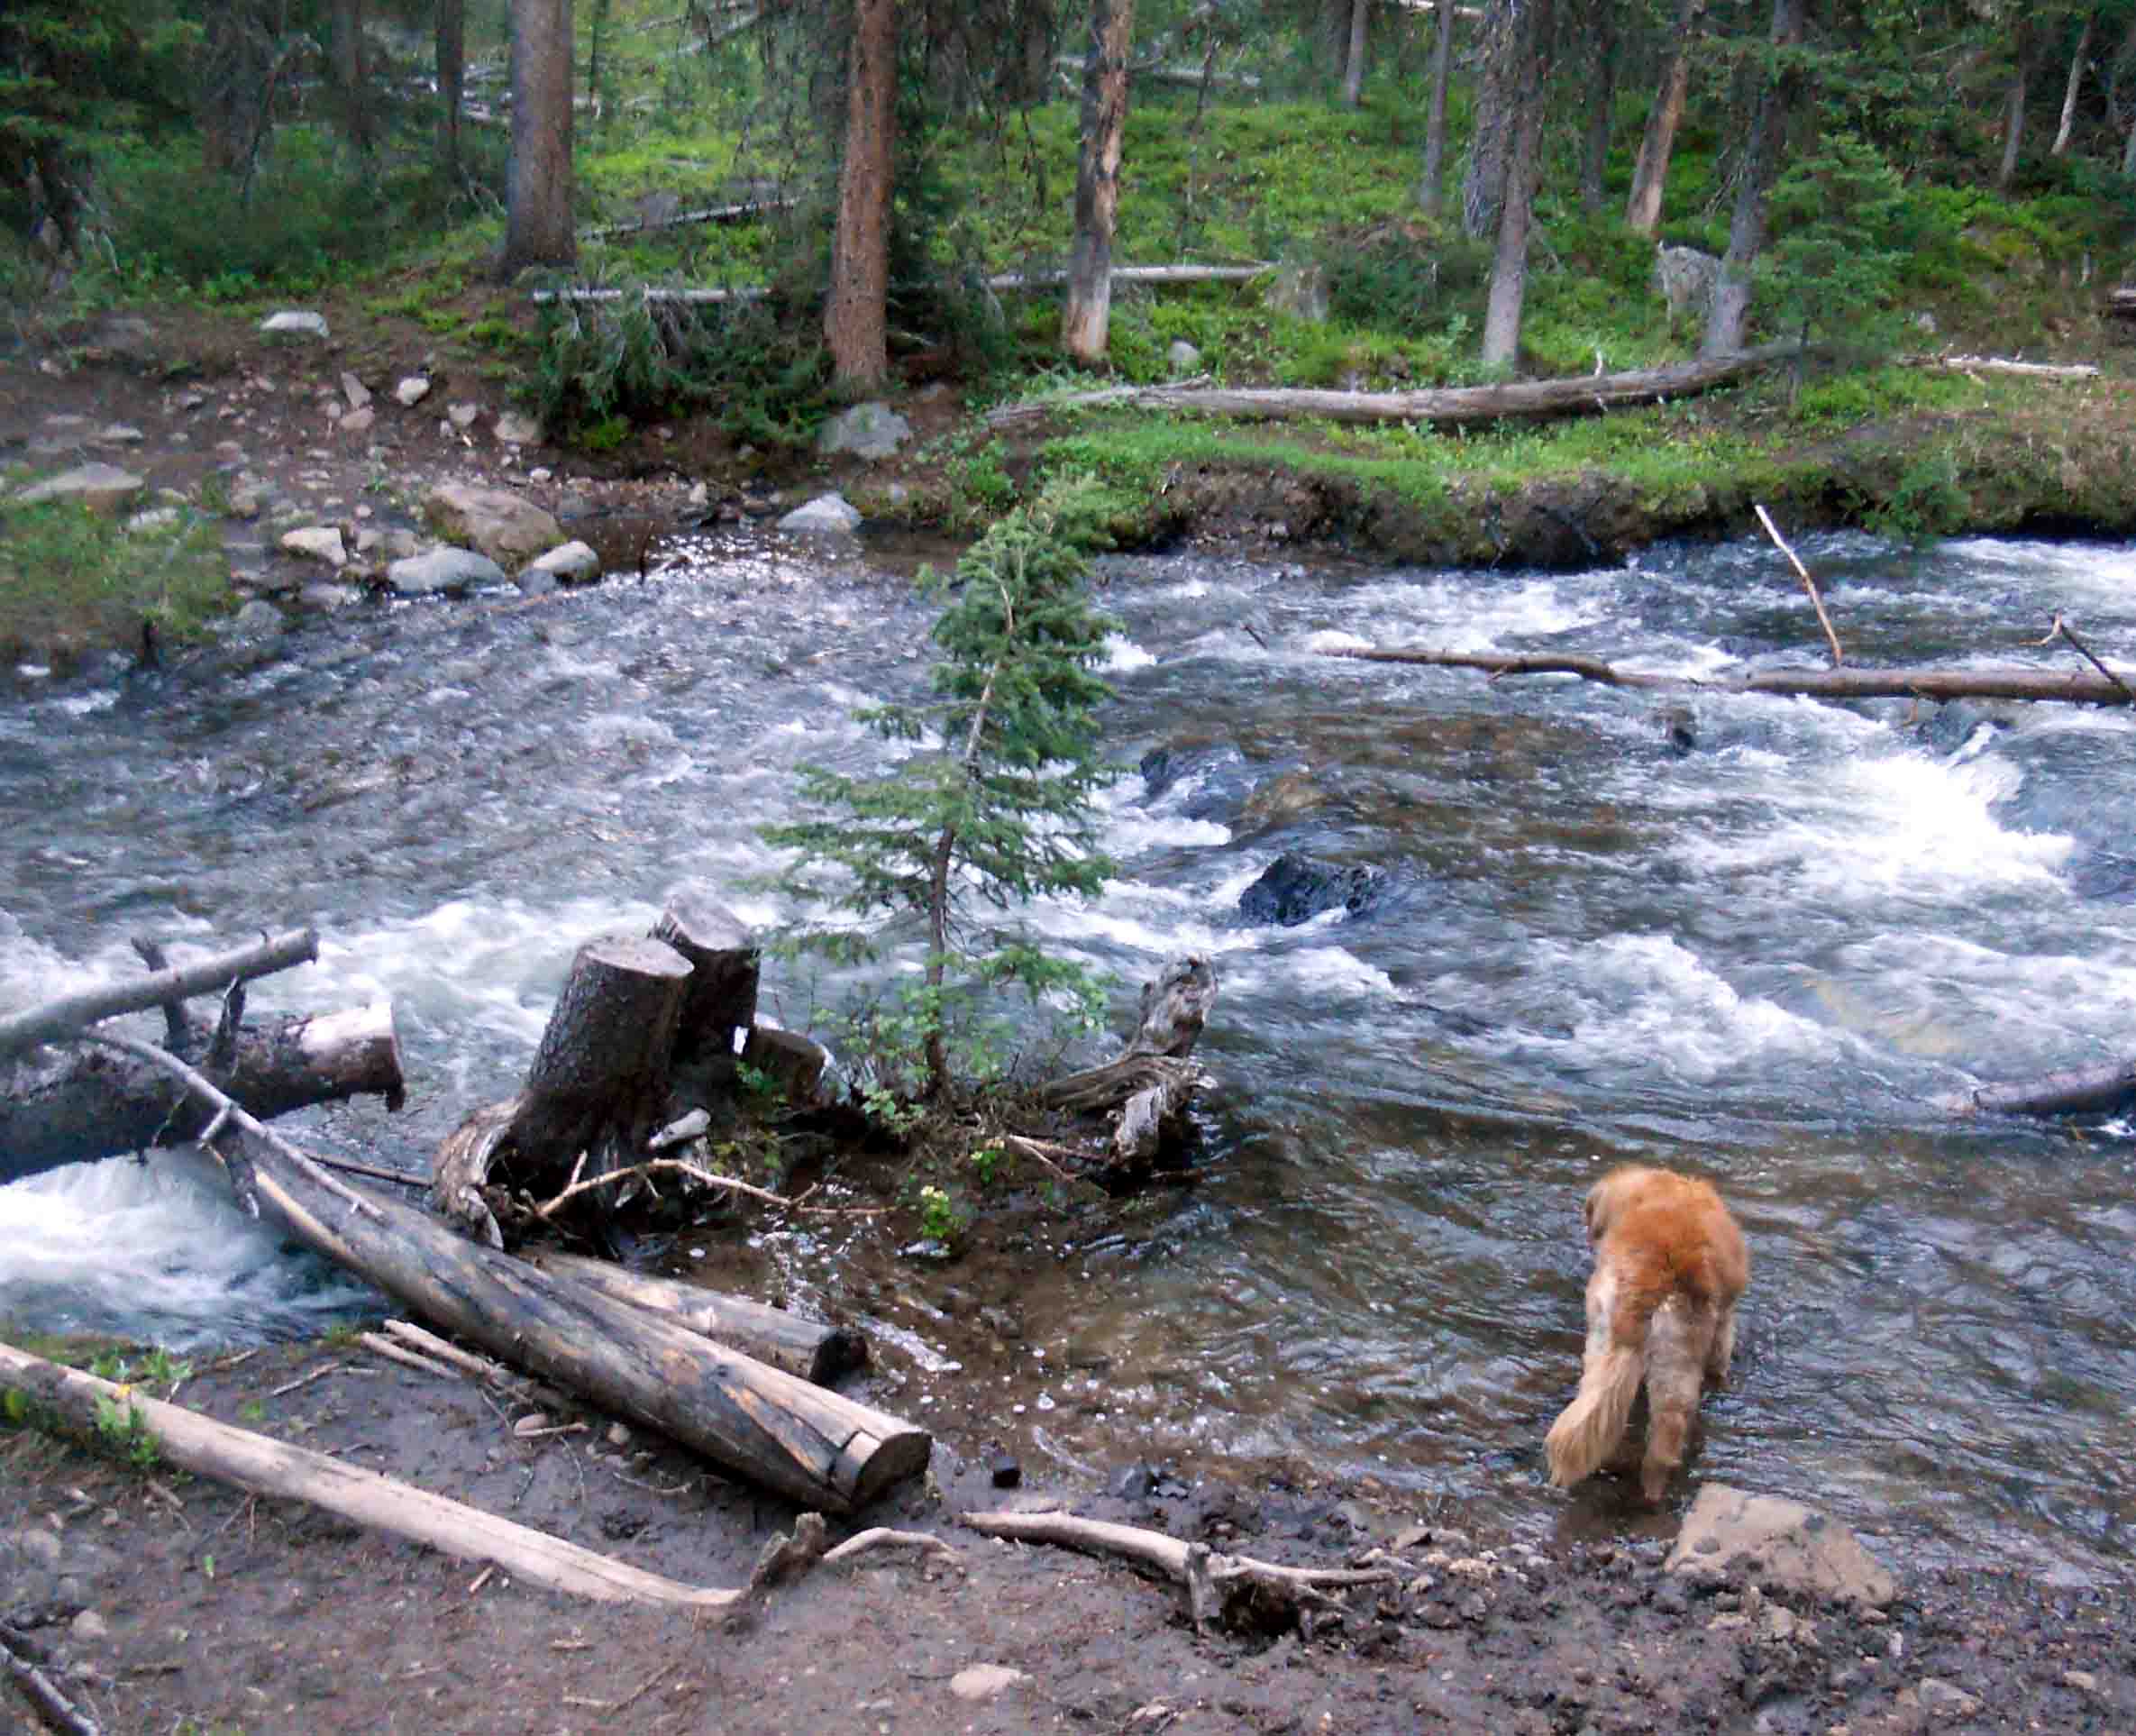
(1589, 1428)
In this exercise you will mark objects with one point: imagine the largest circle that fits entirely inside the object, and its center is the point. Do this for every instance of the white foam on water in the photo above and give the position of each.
(1333, 639)
(158, 1251)
(1646, 1001)
(1454, 615)
(1874, 827)
(1123, 654)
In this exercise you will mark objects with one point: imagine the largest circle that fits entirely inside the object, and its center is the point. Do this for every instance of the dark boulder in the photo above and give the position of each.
(1296, 887)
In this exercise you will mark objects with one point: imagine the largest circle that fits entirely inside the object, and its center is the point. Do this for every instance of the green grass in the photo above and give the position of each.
(70, 575)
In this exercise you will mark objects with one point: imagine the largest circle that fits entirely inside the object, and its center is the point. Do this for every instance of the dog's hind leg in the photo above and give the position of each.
(1679, 1341)
(1724, 1346)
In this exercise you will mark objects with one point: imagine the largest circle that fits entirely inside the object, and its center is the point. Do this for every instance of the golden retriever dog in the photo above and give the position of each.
(1669, 1264)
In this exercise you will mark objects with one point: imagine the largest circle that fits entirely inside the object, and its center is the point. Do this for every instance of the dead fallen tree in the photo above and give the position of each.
(1150, 1083)
(272, 1467)
(1450, 407)
(1234, 1590)
(1003, 283)
(60, 1104)
(2106, 1090)
(741, 211)
(2009, 681)
(812, 1445)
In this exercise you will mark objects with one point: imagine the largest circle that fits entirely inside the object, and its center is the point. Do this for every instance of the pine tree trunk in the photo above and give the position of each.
(1432, 192)
(1353, 77)
(1086, 323)
(2013, 111)
(1482, 189)
(451, 67)
(855, 314)
(2084, 43)
(1642, 210)
(1509, 270)
(1602, 98)
(538, 203)
(1731, 311)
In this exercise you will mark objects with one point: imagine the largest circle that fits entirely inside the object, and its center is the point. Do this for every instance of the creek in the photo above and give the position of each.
(1758, 937)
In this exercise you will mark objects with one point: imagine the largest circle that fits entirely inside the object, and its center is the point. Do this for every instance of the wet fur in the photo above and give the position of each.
(1669, 1265)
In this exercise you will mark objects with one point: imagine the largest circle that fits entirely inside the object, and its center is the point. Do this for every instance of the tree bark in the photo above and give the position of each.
(1483, 187)
(1431, 192)
(1508, 269)
(82, 1105)
(2013, 107)
(1450, 407)
(720, 997)
(1602, 99)
(856, 312)
(452, 69)
(2103, 1090)
(1642, 210)
(345, 66)
(1152, 1081)
(1086, 321)
(538, 205)
(597, 1086)
(811, 1351)
(1730, 309)
(2068, 122)
(1352, 77)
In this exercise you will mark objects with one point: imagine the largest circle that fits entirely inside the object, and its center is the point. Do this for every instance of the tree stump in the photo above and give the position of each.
(721, 995)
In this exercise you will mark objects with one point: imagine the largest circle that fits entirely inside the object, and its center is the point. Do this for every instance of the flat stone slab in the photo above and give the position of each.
(1777, 1541)
(510, 529)
(317, 543)
(828, 515)
(448, 571)
(105, 487)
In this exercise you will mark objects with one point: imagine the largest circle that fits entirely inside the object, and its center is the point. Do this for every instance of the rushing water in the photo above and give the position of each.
(1768, 953)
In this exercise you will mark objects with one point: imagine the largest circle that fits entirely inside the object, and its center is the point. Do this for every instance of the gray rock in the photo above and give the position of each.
(980, 1682)
(517, 430)
(510, 529)
(88, 1625)
(462, 415)
(1302, 291)
(257, 620)
(402, 545)
(156, 519)
(359, 421)
(102, 487)
(38, 1546)
(1182, 356)
(1777, 1541)
(120, 434)
(868, 431)
(532, 582)
(317, 543)
(355, 391)
(296, 322)
(1941, 1699)
(826, 515)
(575, 563)
(411, 391)
(1685, 278)
(449, 571)
(325, 599)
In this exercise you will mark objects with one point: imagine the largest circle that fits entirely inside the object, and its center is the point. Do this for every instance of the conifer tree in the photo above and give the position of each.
(997, 809)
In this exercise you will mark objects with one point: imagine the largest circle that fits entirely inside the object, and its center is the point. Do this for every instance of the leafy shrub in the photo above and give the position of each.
(1402, 280)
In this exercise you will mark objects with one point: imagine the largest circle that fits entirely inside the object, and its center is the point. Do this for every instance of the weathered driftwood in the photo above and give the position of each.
(595, 1092)
(73, 1106)
(812, 1349)
(1152, 1081)
(720, 997)
(2010, 682)
(276, 1468)
(1235, 1589)
(804, 1441)
(72, 1012)
(1445, 407)
(2103, 1089)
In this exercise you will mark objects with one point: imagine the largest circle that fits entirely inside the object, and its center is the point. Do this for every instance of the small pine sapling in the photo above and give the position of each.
(997, 809)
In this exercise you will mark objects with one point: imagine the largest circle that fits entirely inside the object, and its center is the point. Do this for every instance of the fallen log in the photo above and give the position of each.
(75, 1107)
(1449, 407)
(2103, 1090)
(2008, 681)
(275, 1468)
(1236, 1589)
(71, 1013)
(736, 213)
(814, 1350)
(806, 1443)
(1003, 282)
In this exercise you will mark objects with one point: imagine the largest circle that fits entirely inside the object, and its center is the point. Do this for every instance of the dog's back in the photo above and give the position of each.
(1669, 1265)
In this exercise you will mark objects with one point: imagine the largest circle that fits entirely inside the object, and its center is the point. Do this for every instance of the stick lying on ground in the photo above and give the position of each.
(1228, 1586)
(273, 1467)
